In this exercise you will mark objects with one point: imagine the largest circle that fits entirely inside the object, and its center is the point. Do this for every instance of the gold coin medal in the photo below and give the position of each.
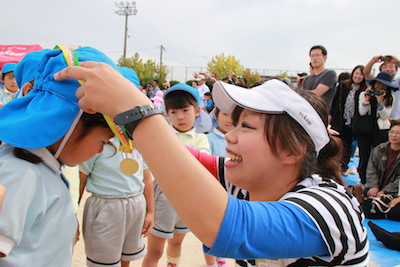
(128, 166)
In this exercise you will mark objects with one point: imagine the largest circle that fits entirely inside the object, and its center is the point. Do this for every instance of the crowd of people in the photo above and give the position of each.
(238, 165)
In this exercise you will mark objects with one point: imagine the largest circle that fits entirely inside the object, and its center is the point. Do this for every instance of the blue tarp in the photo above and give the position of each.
(379, 254)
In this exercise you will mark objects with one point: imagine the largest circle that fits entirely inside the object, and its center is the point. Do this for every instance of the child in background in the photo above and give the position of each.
(38, 224)
(9, 91)
(223, 124)
(182, 104)
(209, 106)
(120, 209)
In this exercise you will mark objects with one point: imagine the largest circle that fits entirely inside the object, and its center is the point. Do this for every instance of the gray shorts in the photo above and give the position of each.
(112, 229)
(166, 221)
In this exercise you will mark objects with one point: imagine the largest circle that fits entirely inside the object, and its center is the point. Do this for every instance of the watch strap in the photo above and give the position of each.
(130, 119)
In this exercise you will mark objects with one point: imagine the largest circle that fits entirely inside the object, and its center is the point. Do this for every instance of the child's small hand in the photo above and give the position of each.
(78, 233)
(148, 224)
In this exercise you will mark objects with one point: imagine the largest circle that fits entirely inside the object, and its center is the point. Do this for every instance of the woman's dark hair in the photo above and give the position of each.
(350, 81)
(90, 121)
(179, 99)
(387, 99)
(283, 132)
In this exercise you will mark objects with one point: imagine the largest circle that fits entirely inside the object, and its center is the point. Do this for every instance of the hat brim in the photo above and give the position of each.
(388, 84)
(226, 96)
(186, 88)
(35, 122)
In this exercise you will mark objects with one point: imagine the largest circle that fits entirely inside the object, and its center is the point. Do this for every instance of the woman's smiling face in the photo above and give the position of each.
(251, 164)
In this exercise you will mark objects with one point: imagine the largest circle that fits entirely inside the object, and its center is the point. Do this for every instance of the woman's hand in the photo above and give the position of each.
(373, 191)
(105, 89)
(367, 96)
(379, 98)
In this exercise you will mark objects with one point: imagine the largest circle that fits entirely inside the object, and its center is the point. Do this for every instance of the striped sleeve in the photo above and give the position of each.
(339, 220)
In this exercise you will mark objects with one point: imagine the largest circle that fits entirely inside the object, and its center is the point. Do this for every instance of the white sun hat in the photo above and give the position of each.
(273, 97)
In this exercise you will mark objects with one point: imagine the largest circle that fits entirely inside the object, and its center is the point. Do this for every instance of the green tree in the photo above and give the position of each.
(252, 77)
(223, 65)
(282, 76)
(147, 71)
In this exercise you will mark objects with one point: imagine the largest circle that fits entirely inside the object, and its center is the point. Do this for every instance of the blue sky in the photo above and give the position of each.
(262, 34)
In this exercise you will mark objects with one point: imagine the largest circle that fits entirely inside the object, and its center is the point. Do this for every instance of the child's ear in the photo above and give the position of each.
(197, 110)
(26, 88)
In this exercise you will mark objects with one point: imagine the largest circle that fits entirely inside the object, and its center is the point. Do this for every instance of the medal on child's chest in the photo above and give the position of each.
(128, 166)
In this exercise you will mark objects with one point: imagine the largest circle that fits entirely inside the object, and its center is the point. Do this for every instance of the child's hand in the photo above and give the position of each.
(78, 233)
(148, 224)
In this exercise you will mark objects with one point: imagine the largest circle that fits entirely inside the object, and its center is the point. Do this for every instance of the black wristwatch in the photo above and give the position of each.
(130, 119)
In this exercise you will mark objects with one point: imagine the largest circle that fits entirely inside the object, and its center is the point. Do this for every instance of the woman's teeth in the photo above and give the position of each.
(233, 157)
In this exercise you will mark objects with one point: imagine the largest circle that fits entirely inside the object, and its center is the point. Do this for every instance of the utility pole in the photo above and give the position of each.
(126, 9)
(161, 50)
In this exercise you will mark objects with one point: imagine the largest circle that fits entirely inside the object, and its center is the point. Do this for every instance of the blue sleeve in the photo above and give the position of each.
(267, 230)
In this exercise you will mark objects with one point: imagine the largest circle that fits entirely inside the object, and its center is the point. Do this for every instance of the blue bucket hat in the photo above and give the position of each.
(8, 68)
(203, 123)
(130, 74)
(44, 116)
(27, 69)
(184, 87)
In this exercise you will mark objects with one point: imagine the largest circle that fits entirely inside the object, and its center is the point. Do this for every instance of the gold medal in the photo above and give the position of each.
(129, 166)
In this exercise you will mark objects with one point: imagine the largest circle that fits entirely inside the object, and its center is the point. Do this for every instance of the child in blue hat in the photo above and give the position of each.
(121, 186)
(182, 105)
(10, 88)
(41, 132)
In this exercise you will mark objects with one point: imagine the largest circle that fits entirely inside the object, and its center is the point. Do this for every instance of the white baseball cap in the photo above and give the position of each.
(273, 97)
(200, 77)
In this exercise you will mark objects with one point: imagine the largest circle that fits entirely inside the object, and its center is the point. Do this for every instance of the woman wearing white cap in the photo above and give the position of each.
(279, 143)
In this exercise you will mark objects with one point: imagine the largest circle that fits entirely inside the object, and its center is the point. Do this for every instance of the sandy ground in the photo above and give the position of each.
(192, 253)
